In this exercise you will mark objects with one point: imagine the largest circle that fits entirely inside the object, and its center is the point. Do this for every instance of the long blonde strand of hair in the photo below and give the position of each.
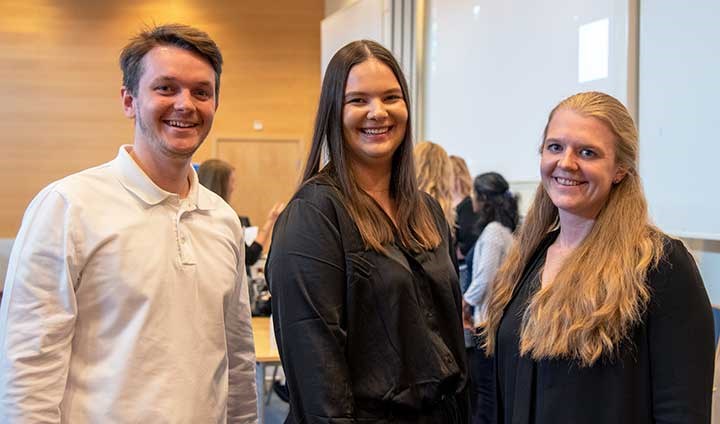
(435, 176)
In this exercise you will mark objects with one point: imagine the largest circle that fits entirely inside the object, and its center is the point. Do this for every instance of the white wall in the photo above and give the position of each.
(494, 70)
(363, 19)
(332, 6)
(678, 91)
(707, 254)
(5, 248)
(679, 127)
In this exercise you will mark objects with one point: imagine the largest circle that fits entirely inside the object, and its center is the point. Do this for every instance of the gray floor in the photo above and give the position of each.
(276, 411)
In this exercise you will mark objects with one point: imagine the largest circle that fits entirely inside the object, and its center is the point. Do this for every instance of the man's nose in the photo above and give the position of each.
(184, 101)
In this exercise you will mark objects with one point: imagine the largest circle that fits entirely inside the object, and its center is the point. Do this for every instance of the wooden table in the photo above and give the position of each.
(265, 354)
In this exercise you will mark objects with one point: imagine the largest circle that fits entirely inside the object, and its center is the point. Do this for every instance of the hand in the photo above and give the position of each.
(264, 231)
(274, 213)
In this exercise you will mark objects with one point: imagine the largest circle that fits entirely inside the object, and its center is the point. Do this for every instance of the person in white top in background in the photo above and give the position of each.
(126, 296)
(497, 217)
(496, 209)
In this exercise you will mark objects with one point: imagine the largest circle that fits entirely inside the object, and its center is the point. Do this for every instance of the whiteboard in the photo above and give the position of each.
(679, 91)
(494, 70)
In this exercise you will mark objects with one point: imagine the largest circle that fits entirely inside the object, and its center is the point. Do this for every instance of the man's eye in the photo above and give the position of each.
(203, 94)
(163, 89)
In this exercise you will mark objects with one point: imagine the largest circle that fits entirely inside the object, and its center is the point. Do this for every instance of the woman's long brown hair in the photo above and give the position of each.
(414, 223)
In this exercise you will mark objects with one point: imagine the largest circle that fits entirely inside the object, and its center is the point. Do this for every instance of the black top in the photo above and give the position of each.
(363, 336)
(662, 373)
(466, 218)
(511, 370)
(252, 253)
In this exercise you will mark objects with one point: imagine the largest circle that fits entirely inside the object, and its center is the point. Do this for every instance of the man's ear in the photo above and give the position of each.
(128, 102)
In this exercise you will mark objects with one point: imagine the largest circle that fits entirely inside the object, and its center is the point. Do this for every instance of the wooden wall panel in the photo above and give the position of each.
(60, 82)
(267, 172)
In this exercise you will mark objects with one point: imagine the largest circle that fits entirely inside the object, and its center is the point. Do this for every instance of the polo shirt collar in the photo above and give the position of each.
(134, 179)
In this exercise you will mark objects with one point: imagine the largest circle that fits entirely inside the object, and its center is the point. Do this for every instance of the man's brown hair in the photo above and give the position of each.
(177, 35)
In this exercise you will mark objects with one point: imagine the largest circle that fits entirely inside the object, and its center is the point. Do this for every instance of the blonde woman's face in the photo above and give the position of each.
(578, 163)
(374, 113)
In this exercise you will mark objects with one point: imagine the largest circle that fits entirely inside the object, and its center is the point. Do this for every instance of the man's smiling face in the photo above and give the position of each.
(175, 102)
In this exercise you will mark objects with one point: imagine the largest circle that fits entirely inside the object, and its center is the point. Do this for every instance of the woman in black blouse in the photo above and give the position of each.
(597, 316)
(465, 232)
(366, 301)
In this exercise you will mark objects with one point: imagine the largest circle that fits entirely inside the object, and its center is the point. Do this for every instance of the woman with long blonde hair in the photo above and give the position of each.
(435, 176)
(462, 180)
(596, 315)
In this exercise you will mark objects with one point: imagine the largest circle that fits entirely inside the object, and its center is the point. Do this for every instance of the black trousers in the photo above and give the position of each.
(482, 387)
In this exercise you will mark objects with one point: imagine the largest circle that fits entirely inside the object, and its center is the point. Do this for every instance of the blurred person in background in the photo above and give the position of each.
(497, 212)
(465, 216)
(219, 176)
(435, 176)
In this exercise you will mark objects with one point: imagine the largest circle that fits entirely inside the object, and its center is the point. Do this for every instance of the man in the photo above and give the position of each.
(126, 298)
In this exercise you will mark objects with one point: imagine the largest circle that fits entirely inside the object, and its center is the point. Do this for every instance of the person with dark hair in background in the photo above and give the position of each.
(596, 315)
(126, 295)
(497, 212)
(365, 293)
(219, 176)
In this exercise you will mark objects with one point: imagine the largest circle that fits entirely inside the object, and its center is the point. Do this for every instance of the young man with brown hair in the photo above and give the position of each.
(126, 298)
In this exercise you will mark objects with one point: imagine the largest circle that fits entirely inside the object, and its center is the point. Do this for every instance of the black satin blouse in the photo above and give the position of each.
(364, 337)
(661, 373)
(466, 233)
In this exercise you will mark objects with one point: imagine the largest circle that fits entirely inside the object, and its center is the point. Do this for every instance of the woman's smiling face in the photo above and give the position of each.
(374, 113)
(578, 164)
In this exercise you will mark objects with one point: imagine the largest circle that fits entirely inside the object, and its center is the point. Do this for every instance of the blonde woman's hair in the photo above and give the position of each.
(435, 176)
(462, 181)
(600, 293)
